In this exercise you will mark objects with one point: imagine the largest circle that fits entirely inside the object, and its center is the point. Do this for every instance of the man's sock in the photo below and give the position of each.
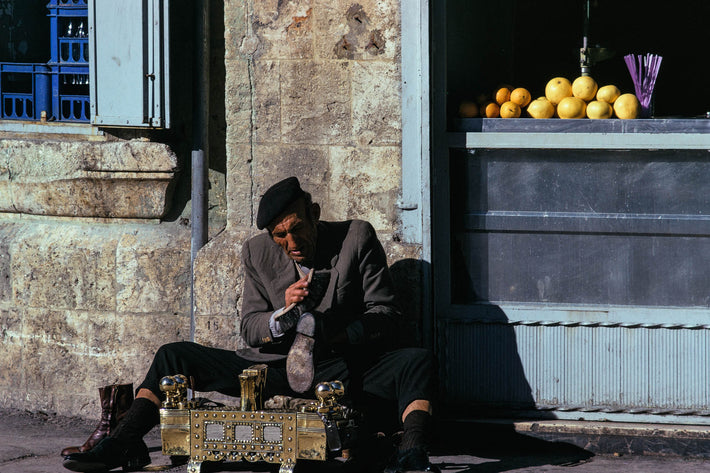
(140, 418)
(417, 430)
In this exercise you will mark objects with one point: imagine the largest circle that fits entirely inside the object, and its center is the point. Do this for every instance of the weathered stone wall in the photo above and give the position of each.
(84, 304)
(313, 90)
(126, 179)
(91, 281)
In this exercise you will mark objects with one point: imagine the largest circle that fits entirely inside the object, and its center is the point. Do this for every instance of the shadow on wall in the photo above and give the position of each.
(482, 363)
(482, 373)
(181, 136)
(481, 376)
(407, 276)
(480, 370)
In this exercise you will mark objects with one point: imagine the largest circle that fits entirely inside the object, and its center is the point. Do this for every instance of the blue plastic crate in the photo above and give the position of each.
(74, 50)
(74, 108)
(67, 3)
(25, 91)
(70, 93)
(69, 31)
(61, 86)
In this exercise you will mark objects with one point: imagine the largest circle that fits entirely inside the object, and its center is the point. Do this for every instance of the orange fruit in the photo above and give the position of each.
(599, 109)
(491, 110)
(572, 107)
(557, 89)
(585, 88)
(627, 106)
(502, 95)
(510, 110)
(521, 96)
(468, 109)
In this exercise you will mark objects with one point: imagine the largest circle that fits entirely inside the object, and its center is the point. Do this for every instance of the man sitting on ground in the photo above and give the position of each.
(318, 305)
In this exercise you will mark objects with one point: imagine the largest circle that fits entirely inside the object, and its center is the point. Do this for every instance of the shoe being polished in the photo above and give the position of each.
(108, 454)
(410, 461)
(299, 364)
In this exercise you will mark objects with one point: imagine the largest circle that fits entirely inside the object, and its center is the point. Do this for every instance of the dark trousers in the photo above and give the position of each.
(374, 383)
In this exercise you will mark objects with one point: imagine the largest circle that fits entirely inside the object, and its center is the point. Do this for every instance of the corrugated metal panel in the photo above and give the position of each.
(586, 272)
(584, 368)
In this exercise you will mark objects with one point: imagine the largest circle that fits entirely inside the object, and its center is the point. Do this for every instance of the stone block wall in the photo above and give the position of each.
(313, 89)
(84, 304)
(91, 281)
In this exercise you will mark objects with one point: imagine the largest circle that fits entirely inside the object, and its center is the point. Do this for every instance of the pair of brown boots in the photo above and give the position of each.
(115, 401)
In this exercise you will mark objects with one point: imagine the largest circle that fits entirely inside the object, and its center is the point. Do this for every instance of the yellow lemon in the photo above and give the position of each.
(510, 110)
(557, 89)
(521, 96)
(599, 109)
(627, 106)
(572, 107)
(468, 109)
(608, 93)
(541, 108)
(585, 88)
(491, 110)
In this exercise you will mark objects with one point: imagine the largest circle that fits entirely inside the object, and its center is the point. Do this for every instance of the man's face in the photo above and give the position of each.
(295, 232)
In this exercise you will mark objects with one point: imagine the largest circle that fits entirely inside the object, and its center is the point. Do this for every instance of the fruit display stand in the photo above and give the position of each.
(563, 120)
(577, 266)
(571, 256)
(581, 133)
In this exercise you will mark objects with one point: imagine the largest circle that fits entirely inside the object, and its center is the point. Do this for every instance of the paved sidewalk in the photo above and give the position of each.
(30, 442)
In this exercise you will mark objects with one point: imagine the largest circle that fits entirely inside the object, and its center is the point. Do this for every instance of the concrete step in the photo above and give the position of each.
(612, 438)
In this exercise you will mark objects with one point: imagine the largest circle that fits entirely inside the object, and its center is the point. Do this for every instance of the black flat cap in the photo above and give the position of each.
(276, 199)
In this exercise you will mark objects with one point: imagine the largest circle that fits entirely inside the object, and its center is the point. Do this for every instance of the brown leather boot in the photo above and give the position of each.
(115, 401)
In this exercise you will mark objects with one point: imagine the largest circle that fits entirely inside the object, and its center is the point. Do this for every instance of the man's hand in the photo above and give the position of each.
(300, 299)
(297, 291)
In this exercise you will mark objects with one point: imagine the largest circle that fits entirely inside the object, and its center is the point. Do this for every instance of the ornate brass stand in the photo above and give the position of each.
(249, 432)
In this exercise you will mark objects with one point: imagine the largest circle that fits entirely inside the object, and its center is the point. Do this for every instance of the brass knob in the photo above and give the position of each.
(167, 384)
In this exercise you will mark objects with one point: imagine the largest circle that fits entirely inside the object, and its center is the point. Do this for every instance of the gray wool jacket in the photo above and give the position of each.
(360, 296)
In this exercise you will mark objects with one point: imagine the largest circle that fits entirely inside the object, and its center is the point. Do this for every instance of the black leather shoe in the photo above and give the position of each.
(299, 364)
(108, 454)
(410, 461)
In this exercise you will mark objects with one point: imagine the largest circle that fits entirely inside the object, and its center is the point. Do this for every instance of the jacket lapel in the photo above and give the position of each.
(327, 258)
(329, 297)
(283, 276)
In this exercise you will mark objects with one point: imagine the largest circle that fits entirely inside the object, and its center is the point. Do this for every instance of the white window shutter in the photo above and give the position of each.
(129, 63)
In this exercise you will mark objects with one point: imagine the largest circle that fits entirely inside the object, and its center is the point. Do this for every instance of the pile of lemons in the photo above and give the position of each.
(582, 98)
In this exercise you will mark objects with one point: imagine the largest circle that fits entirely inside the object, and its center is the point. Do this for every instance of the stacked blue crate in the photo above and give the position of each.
(69, 62)
(25, 91)
(60, 87)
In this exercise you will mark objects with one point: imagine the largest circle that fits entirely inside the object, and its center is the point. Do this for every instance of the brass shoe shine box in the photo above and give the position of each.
(316, 430)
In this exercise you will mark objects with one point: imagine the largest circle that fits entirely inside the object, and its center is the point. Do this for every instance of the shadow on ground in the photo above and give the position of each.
(481, 448)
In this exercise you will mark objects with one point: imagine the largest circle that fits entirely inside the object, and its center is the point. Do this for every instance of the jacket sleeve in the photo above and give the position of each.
(381, 318)
(256, 307)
